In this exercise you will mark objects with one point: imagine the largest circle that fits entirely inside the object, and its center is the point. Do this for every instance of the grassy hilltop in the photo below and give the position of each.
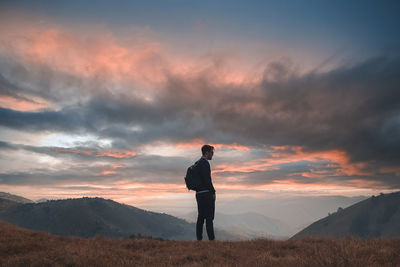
(20, 247)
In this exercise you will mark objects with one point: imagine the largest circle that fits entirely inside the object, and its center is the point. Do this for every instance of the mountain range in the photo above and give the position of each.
(249, 224)
(377, 216)
(89, 217)
(295, 212)
(15, 198)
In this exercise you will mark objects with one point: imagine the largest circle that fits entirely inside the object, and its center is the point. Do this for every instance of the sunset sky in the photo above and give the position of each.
(115, 98)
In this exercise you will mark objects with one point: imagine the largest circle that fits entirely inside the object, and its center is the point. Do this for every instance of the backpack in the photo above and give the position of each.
(192, 178)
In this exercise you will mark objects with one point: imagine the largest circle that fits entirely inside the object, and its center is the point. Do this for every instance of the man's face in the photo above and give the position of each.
(209, 154)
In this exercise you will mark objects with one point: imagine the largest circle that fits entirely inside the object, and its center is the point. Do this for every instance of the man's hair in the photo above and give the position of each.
(206, 148)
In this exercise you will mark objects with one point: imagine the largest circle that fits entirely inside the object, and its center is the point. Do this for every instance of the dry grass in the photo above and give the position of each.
(19, 247)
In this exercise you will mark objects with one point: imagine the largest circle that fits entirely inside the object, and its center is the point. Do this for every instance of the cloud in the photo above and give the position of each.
(337, 126)
(352, 109)
(67, 120)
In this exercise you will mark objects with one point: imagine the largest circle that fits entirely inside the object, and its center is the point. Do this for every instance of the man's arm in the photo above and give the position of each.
(206, 174)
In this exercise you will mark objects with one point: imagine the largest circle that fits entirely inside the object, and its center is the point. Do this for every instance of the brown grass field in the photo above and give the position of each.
(20, 247)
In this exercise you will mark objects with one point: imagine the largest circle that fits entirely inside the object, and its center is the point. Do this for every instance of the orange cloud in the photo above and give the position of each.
(90, 56)
(395, 170)
(249, 166)
(235, 146)
(74, 151)
(313, 173)
(362, 183)
(116, 154)
(335, 156)
(111, 169)
(292, 154)
(125, 191)
(138, 58)
(33, 104)
(354, 187)
(87, 54)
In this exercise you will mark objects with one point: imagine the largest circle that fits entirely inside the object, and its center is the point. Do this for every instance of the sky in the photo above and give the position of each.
(114, 99)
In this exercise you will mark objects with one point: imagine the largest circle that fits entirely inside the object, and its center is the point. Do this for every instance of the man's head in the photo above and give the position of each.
(208, 151)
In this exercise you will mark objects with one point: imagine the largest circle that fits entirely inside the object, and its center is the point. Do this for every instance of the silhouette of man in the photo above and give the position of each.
(205, 195)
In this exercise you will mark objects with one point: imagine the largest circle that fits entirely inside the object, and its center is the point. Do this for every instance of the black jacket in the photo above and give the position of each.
(205, 175)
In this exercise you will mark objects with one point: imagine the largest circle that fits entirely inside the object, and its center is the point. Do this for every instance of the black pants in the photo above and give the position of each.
(206, 211)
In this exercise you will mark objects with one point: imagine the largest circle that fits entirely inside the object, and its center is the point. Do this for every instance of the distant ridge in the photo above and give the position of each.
(88, 217)
(249, 224)
(19, 199)
(378, 216)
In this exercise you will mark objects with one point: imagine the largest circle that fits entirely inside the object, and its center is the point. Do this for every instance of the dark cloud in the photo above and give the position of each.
(45, 178)
(79, 153)
(355, 109)
(24, 81)
(5, 145)
(82, 165)
(9, 89)
(141, 169)
(66, 120)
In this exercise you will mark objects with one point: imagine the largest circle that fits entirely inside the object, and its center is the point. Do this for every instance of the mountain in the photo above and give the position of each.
(295, 212)
(88, 217)
(42, 200)
(248, 225)
(378, 216)
(15, 198)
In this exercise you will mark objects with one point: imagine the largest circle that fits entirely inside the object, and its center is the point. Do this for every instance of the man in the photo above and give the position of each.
(205, 195)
